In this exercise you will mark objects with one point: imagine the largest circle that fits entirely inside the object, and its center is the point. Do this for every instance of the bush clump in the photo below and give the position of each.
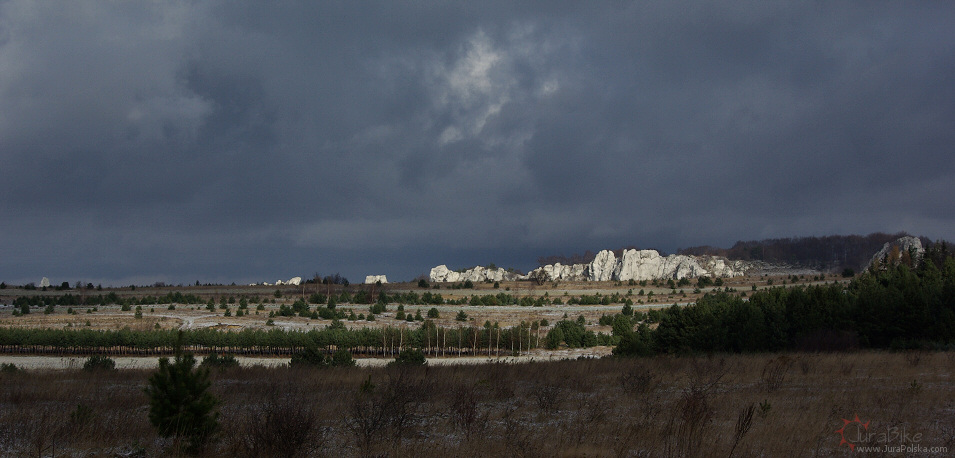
(223, 361)
(99, 362)
(411, 357)
(313, 357)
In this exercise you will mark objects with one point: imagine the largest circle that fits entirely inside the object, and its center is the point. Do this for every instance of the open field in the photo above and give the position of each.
(660, 406)
(195, 316)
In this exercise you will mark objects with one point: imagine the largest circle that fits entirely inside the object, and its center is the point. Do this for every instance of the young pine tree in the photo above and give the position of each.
(180, 404)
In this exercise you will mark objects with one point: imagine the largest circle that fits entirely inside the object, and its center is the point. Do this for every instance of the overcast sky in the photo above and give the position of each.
(253, 141)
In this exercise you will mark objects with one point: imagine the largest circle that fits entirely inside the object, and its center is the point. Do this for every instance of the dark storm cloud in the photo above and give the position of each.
(241, 141)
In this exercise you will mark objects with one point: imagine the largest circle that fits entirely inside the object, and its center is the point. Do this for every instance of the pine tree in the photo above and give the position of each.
(180, 404)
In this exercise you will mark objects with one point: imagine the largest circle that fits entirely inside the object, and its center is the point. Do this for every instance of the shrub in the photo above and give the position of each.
(342, 358)
(433, 313)
(226, 360)
(99, 362)
(281, 426)
(9, 368)
(309, 357)
(410, 357)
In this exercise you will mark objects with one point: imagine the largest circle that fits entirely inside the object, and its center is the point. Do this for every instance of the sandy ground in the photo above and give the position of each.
(143, 362)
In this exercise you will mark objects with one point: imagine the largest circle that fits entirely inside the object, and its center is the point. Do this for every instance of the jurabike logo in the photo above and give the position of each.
(851, 432)
(893, 439)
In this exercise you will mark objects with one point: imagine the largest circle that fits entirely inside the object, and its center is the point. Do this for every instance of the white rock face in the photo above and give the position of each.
(44, 282)
(561, 272)
(442, 273)
(642, 265)
(372, 279)
(602, 267)
(294, 281)
(905, 244)
(475, 274)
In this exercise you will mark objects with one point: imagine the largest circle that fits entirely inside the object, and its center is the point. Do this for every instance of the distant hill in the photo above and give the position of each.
(832, 252)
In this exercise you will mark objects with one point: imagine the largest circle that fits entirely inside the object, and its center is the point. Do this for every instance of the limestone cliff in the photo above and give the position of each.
(475, 274)
(642, 265)
(632, 265)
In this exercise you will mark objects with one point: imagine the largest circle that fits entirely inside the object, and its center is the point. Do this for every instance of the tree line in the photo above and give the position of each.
(490, 339)
(887, 307)
(833, 252)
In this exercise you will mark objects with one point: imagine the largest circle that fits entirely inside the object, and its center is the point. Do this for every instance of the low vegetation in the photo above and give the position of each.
(714, 405)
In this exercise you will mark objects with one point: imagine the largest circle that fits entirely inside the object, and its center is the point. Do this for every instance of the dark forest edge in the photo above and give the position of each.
(832, 252)
(887, 307)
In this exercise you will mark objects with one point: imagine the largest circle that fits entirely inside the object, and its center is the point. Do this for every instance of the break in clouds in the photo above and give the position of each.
(248, 141)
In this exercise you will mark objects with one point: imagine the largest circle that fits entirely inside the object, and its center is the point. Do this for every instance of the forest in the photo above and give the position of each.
(887, 307)
(832, 252)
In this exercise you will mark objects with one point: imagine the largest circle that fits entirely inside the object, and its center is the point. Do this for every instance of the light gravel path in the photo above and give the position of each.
(150, 362)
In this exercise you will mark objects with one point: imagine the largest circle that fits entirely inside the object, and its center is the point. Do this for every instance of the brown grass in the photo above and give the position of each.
(111, 317)
(731, 405)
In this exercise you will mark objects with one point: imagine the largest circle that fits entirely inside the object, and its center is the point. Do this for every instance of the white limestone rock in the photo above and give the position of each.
(44, 282)
(906, 244)
(294, 281)
(475, 274)
(641, 265)
(602, 267)
(372, 279)
(558, 272)
(442, 274)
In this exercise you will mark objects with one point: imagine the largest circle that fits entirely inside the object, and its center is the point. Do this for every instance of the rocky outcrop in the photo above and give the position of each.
(632, 265)
(559, 271)
(44, 282)
(642, 265)
(906, 245)
(475, 274)
(371, 279)
(294, 281)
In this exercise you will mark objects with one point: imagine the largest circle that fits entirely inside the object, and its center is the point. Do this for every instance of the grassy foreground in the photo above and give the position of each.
(721, 405)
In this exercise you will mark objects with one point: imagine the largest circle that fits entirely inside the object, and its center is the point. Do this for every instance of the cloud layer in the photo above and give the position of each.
(241, 141)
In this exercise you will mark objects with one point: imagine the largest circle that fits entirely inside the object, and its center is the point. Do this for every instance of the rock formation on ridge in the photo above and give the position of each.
(907, 244)
(371, 279)
(475, 274)
(642, 265)
(632, 265)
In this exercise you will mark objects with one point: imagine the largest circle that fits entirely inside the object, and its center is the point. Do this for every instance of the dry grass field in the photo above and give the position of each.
(786, 405)
(197, 316)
